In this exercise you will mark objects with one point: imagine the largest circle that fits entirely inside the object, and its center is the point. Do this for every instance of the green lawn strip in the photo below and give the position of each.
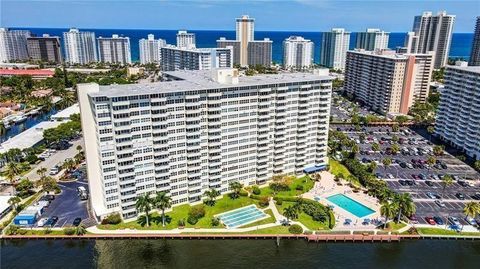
(336, 168)
(271, 230)
(40, 232)
(437, 231)
(304, 181)
(268, 220)
(305, 219)
(181, 212)
(393, 226)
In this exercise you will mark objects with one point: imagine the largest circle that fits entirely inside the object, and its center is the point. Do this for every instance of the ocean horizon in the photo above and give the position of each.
(460, 47)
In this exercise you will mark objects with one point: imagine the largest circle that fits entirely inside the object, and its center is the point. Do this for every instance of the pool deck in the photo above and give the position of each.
(328, 187)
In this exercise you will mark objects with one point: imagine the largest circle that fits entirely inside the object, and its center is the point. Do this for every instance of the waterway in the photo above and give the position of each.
(237, 254)
(31, 121)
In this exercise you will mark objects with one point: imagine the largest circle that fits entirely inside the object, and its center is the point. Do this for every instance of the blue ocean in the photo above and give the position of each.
(460, 48)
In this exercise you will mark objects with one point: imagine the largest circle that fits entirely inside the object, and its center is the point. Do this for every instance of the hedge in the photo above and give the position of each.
(331, 223)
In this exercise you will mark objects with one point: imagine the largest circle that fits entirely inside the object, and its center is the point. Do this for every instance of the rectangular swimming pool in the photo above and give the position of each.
(242, 216)
(350, 205)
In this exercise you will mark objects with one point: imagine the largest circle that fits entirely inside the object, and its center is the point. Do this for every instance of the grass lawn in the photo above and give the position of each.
(305, 219)
(272, 230)
(395, 226)
(437, 231)
(181, 212)
(304, 181)
(268, 220)
(336, 168)
(39, 232)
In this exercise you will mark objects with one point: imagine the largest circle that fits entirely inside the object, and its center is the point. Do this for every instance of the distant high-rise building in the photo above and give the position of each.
(458, 119)
(432, 33)
(45, 48)
(185, 40)
(175, 58)
(372, 39)
(475, 54)
(150, 49)
(13, 45)
(297, 52)
(386, 81)
(245, 44)
(115, 50)
(79, 47)
(333, 51)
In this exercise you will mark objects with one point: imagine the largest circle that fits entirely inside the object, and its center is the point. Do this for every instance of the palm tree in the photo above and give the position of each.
(79, 148)
(395, 128)
(42, 171)
(47, 184)
(375, 147)
(144, 204)
(372, 166)
(355, 148)
(388, 211)
(404, 204)
(395, 148)
(431, 160)
(430, 130)
(12, 169)
(14, 202)
(438, 150)
(471, 209)
(211, 195)
(69, 165)
(476, 165)
(447, 180)
(386, 162)
(162, 201)
(80, 230)
(291, 213)
(236, 187)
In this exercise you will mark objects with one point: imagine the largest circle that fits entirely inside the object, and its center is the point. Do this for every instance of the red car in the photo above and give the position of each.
(430, 220)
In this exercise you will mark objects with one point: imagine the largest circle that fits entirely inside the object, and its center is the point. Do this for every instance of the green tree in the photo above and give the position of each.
(47, 184)
(387, 162)
(211, 195)
(236, 187)
(395, 148)
(387, 210)
(69, 164)
(355, 148)
(14, 202)
(471, 209)
(80, 230)
(447, 180)
(291, 213)
(438, 150)
(431, 160)
(12, 169)
(144, 204)
(375, 147)
(476, 165)
(162, 201)
(42, 172)
(372, 166)
(404, 205)
(430, 130)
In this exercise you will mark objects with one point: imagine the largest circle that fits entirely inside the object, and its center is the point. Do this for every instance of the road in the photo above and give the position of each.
(57, 157)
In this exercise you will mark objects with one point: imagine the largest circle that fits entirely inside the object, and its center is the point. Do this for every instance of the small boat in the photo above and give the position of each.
(20, 119)
(34, 111)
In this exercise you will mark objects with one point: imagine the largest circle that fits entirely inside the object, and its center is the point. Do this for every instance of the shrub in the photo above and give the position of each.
(288, 198)
(69, 231)
(263, 201)
(114, 218)
(181, 223)
(243, 193)
(299, 187)
(11, 230)
(215, 222)
(279, 201)
(256, 190)
(192, 220)
(308, 232)
(22, 231)
(47, 230)
(295, 229)
(279, 186)
(197, 212)
(331, 219)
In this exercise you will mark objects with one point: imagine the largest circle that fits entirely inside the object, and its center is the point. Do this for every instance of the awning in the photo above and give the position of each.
(315, 168)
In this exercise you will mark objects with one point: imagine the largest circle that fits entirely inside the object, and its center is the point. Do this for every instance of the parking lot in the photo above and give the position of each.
(342, 108)
(67, 205)
(410, 172)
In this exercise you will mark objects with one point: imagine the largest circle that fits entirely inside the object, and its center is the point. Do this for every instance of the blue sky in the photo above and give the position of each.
(297, 15)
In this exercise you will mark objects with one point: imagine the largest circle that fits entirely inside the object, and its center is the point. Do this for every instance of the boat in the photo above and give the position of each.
(34, 111)
(19, 119)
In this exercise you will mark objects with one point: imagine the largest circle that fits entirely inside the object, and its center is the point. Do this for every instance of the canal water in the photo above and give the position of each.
(31, 121)
(248, 254)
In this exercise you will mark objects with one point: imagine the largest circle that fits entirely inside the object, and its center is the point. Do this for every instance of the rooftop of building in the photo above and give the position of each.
(472, 69)
(203, 50)
(203, 80)
(388, 53)
(31, 72)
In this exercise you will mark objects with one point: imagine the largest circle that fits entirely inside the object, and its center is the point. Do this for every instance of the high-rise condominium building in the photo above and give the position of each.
(13, 45)
(386, 81)
(185, 40)
(297, 53)
(174, 58)
(79, 47)
(45, 48)
(115, 50)
(333, 51)
(372, 39)
(432, 33)
(202, 130)
(248, 51)
(458, 114)
(150, 49)
(475, 54)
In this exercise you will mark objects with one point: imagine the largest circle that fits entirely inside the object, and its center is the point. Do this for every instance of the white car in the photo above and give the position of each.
(390, 176)
(471, 221)
(54, 171)
(42, 222)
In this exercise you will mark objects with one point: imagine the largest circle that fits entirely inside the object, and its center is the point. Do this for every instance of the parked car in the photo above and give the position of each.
(413, 219)
(438, 220)
(460, 196)
(471, 221)
(454, 221)
(54, 170)
(429, 183)
(440, 203)
(77, 221)
(52, 221)
(432, 195)
(42, 222)
(430, 220)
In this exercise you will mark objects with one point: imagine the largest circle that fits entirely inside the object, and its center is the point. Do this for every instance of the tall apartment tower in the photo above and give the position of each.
(333, 51)
(458, 112)
(150, 49)
(79, 47)
(45, 48)
(174, 58)
(297, 53)
(475, 54)
(248, 51)
(13, 45)
(433, 33)
(372, 39)
(201, 130)
(386, 81)
(186, 40)
(115, 50)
